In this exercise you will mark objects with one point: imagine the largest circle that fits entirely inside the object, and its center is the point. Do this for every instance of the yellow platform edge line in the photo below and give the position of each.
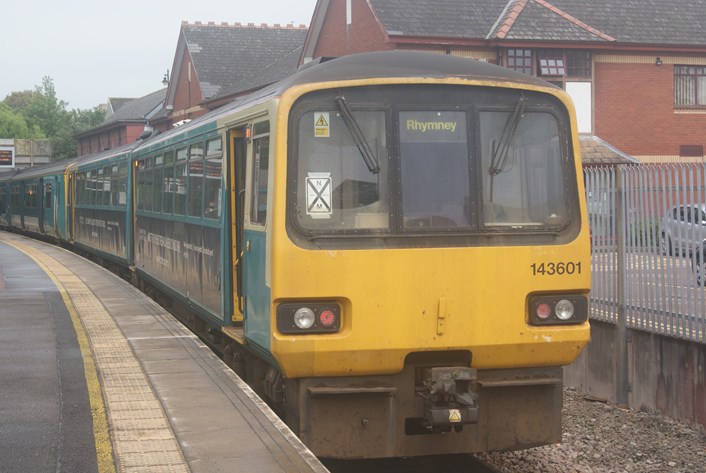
(101, 435)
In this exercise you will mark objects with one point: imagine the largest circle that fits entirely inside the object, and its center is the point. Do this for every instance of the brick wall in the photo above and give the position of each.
(634, 109)
(363, 34)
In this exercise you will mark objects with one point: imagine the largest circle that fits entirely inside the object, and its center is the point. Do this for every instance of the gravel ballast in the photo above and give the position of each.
(602, 437)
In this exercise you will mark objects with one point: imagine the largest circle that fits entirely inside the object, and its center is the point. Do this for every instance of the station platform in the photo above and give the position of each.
(96, 377)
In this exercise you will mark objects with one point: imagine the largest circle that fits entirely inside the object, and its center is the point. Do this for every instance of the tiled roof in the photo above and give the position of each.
(596, 152)
(540, 20)
(674, 22)
(138, 109)
(115, 103)
(279, 69)
(441, 18)
(225, 55)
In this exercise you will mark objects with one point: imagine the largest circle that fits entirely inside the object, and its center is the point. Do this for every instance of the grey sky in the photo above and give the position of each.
(94, 50)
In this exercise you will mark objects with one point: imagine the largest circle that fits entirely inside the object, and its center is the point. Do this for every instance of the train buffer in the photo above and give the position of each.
(96, 377)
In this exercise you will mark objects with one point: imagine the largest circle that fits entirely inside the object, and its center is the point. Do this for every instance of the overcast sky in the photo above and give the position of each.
(94, 50)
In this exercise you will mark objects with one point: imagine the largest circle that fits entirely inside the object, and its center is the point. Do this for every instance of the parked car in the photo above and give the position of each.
(683, 232)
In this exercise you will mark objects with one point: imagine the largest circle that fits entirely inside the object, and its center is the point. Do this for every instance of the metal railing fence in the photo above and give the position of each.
(648, 235)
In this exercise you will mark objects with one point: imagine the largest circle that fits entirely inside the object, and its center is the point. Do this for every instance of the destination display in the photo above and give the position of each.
(7, 156)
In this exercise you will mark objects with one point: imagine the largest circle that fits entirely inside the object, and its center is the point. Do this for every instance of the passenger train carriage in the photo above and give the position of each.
(391, 248)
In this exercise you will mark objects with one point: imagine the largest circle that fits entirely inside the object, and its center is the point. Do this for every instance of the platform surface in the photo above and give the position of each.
(95, 376)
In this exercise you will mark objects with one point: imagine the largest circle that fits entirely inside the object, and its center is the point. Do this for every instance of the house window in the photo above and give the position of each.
(578, 63)
(520, 60)
(689, 86)
(551, 62)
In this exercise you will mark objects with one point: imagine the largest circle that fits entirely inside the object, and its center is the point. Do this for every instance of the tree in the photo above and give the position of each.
(19, 101)
(13, 125)
(44, 115)
(86, 119)
(46, 111)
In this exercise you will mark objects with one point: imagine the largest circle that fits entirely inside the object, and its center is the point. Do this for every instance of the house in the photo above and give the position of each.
(215, 63)
(124, 122)
(636, 69)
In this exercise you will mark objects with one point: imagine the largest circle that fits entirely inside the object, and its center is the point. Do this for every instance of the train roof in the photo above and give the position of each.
(371, 65)
(48, 169)
(398, 64)
(7, 175)
(107, 154)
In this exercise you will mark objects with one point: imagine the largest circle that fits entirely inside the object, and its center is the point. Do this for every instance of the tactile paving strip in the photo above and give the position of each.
(142, 438)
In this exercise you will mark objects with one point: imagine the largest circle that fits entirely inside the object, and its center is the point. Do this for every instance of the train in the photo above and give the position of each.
(392, 247)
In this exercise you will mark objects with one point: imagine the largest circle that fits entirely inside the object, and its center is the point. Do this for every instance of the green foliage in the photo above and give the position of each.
(13, 124)
(19, 101)
(40, 114)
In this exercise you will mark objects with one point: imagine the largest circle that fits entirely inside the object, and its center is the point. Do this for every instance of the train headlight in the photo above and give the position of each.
(308, 317)
(304, 318)
(564, 309)
(557, 309)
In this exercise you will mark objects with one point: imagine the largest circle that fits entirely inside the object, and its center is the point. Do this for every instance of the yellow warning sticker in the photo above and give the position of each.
(454, 415)
(322, 129)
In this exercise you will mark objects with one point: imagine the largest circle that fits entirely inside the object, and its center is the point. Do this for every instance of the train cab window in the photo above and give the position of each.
(523, 176)
(180, 182)
(261, 165)
(430, 165)
(212, 192)
(195, 187)
(47, 195)
(168, 183)
(434, 149)
(336, 187)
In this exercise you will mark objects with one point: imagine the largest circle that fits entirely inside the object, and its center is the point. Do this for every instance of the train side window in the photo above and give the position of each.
(15, 196)
(47, 195)
(144, 184)
(122, 184)
(214, 167)
(114, 186)
(168, 183)
(180, 182)
(30, 196)
(91, 188)
(261, 164)
(104, 186)
(195, 179)
(156, 186)
(80, 189)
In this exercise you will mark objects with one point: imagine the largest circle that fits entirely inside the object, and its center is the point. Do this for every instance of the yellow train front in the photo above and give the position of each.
(414, 256)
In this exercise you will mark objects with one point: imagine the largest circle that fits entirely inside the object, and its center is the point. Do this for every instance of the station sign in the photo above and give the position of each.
(7, 157)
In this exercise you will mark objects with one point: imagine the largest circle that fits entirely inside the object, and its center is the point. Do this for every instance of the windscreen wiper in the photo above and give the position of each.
(358, 137)
(498, 161)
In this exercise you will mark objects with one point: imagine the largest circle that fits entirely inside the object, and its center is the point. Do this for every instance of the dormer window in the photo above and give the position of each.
(551, 63)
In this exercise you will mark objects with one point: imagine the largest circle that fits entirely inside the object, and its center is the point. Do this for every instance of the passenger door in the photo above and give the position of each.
(238, 159)
(255, 258)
